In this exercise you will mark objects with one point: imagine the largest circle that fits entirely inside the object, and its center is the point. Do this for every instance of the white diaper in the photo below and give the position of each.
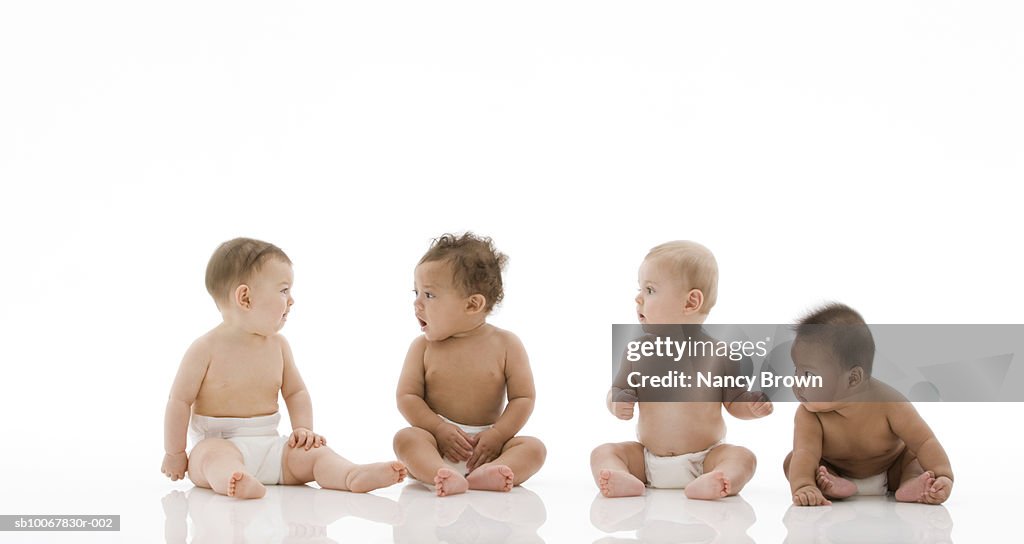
(674, 471)
(256, 437)
(872, 485)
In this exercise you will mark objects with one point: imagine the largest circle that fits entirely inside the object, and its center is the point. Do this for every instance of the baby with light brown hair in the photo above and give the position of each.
(225, 395)
(680, 443)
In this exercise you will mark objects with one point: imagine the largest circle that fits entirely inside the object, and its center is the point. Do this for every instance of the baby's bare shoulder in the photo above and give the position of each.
(213, 340)
(883, 392)
(505, 337)
(204, 346)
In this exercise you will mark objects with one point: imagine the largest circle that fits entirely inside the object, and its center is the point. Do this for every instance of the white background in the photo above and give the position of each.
(867, 153)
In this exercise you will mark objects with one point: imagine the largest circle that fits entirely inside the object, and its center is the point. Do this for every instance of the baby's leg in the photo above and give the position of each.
(520, 458)
(333, 471)
(727, 469)
(417, 448)
(619, 469)
(916, 484)
(217, 464)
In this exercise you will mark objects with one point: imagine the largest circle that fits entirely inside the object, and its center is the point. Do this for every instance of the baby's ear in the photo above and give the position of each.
(856, 376)
(476, 303)
(242, 296)
(694, 301)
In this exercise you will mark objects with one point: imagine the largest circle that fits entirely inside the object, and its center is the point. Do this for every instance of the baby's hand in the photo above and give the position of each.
(939, 491)
(453, 443)
(810, 495)
(761, 407)
(304, 438)
(175, 465)
(488, 447)
(622, 403)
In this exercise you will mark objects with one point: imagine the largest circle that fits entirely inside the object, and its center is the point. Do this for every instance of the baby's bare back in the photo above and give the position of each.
(243, 378)
(465, 377)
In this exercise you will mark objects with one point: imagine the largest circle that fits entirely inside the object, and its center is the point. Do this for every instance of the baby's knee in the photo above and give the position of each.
(604, 450)
(534, 446)
(409, 436)
(746, 456)
(785, 464)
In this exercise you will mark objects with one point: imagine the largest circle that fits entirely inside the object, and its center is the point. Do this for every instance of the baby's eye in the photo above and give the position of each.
(649, 290)
(429, 295)
(808, 373)
(415, 292)
(285, 290)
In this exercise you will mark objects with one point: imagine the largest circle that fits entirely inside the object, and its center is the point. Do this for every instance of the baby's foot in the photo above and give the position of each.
(711, 485)
(245, 486)
(449, 482)
(618, 483)
(365, 478)
(833, 486)
(915, 489)
(491, 478)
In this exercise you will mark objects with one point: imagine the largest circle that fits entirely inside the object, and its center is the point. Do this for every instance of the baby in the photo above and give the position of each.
(457, 375)
(680, 442)
(856, 435)
(229, 381)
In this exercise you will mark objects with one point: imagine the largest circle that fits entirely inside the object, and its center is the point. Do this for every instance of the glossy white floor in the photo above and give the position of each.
(545, 512)
(559, 505)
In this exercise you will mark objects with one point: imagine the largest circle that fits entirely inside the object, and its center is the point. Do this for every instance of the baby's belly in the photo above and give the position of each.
(670, 428)
(235, 407)
(469, 407)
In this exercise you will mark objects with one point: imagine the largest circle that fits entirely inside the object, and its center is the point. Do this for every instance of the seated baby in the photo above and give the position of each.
(458, 373)
(680, 443)
(856, 435)
(226, 390)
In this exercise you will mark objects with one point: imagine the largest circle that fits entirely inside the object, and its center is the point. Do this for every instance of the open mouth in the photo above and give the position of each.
(423, 324)
(641, 317)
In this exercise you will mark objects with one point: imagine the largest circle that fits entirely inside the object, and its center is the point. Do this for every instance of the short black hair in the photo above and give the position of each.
(842, 329)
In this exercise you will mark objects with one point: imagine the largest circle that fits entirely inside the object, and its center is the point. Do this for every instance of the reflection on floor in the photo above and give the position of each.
(477, 516)
(869, 519)
(303, 513)
(666, 515)
(286, 513)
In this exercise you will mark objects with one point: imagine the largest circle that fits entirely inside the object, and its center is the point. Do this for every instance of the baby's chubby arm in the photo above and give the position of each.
(179, 407)
(452, 442)
(749, 405)
(622, 398)
(300, 406)
(807, 436)
(521, 393)
(907, 424)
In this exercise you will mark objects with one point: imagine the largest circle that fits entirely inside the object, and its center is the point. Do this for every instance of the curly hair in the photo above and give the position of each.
(476, 264)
